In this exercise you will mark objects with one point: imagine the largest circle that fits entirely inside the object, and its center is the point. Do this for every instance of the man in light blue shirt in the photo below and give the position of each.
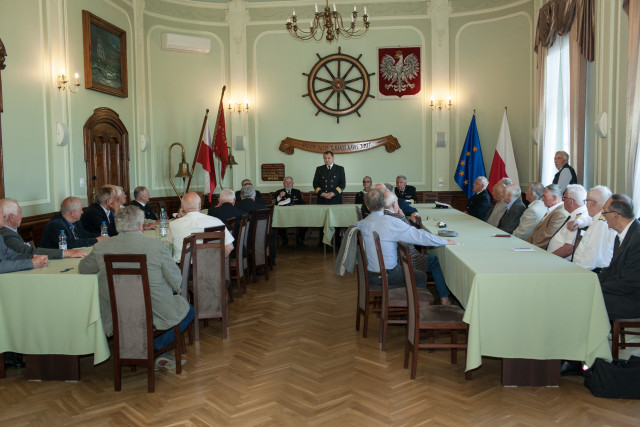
(391, 230)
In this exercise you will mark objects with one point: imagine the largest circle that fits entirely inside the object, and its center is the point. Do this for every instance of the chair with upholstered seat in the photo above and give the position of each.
(209, 291)
(619, 332)
(132, 315)
(185, 269)
(428, 319)
(394, 300)
(369, 296)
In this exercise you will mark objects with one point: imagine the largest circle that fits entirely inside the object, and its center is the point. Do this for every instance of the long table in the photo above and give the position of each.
(530, 305)
(52, 311)
(329, 217)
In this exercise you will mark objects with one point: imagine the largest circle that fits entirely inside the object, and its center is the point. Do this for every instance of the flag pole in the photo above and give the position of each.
(193, 166)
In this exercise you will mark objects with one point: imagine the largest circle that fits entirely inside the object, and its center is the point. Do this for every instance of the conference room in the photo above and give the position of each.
(151, 74)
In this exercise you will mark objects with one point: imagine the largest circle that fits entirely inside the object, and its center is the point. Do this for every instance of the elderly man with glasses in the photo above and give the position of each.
(619, 281)
(555, 217)
(562, 242)
(366, 186)
(595, 248)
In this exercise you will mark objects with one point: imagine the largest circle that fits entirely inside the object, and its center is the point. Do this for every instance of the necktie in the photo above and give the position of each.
(73, 231)
(329, 167)
(616, 244)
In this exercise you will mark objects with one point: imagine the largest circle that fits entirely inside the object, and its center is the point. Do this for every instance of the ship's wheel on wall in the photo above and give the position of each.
(338, 85)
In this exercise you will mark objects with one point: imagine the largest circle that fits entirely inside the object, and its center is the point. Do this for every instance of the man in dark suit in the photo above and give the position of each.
(620, 281)
(366, 186)
(479, 203)
(12, 220)
(245, 182)
(141, 200)
(100, 211)
(289, 196)
(515, 209)
(404, 191)
(329, 181)
(225, 210)
(68, 219)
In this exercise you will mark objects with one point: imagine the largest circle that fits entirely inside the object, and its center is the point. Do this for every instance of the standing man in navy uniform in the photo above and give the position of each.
(329, 181)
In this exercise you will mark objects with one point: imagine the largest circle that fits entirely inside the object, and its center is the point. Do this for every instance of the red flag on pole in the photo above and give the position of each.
(205, 158)
(504, 161)
(220, 148)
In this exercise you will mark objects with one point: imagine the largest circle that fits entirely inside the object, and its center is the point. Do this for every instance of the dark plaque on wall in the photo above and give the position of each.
(273, 172)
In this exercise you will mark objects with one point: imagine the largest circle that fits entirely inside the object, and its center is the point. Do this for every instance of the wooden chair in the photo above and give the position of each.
(185, 269)
(259, 243)
(618, 332)
(270, 235)
(359, 213)
(132, 315)
(428, 319)
(394, 300)
(369, 296)
(237, 264)
(3, 372)
(209, 291)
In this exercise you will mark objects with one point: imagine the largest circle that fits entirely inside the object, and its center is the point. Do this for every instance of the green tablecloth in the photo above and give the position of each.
(46, 311)
(531, 305)
(327, 216)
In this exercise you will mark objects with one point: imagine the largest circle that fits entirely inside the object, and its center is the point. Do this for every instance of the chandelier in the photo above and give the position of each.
(330, 22)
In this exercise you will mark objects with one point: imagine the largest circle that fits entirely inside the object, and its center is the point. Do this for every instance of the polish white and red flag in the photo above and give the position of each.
(205, 158)
(504, 162)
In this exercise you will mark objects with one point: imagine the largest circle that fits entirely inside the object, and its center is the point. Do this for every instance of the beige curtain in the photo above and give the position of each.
(633, 99)
(556, 18)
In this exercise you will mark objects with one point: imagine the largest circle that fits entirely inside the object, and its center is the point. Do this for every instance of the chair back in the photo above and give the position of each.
(128, 282)
(209, 290)
(220, 228)
(246, 240)
(363, 273)
(412, 292)
(383, 278)
(241, 239)
(185, 263)
(359, 213)
(260, 236)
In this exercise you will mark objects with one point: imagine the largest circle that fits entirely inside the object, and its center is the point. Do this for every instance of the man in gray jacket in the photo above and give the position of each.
(169, 307)
(11, 261)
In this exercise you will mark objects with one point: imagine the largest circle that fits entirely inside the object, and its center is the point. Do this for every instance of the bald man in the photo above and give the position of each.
(68, 219)
(193, 221)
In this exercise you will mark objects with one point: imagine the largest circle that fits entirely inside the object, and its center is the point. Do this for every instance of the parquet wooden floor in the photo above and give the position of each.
(293, 358)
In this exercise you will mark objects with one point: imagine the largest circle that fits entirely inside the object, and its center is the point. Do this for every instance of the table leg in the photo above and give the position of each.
(52, 367)
(530, 372)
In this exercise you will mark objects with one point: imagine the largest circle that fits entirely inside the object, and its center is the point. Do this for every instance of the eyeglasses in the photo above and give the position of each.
(569, 198)
(366, 180)
(586, 201)
(608, 212)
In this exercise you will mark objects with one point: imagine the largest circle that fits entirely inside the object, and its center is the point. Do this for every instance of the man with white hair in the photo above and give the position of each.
(566, 175)
(562, 242)
(289, 196)
(101, 211)
(193, 221)
(495, 212)
(13, 261)
(141, 200)
(595, 249)
(555, 217)
(481, 200)
(515, 209)
(425, 263)
(226, 208)
(12, 220)
(534, 212)
(169, 307)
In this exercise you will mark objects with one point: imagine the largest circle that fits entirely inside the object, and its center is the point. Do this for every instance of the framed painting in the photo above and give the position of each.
(105, 56)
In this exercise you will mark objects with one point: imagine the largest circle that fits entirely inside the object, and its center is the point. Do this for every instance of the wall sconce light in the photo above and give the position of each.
(238, 107)
(62, 83)
(440, 104)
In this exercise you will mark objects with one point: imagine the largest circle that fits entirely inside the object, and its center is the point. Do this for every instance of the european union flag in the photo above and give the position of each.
(470, 165)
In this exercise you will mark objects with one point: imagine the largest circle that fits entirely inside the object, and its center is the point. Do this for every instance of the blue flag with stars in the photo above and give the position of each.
(470, 165)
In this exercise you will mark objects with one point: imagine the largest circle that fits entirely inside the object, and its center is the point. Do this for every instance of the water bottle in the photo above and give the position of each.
(62, 240)
(104, 231)
(163, 223)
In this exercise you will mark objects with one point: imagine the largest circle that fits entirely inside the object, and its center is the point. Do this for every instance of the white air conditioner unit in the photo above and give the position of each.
(182, 43)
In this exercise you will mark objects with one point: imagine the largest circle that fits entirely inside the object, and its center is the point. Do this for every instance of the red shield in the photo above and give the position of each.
(399, 71)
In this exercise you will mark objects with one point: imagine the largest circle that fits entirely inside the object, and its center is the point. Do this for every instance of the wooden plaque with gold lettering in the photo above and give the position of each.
(389, 142)
(272, 171)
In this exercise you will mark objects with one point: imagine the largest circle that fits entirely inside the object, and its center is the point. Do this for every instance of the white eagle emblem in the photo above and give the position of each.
(399, 73)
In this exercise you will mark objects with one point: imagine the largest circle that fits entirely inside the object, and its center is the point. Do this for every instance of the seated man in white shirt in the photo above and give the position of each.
(193, 222)
(562, 242)
(596, 246)
(534, 212)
